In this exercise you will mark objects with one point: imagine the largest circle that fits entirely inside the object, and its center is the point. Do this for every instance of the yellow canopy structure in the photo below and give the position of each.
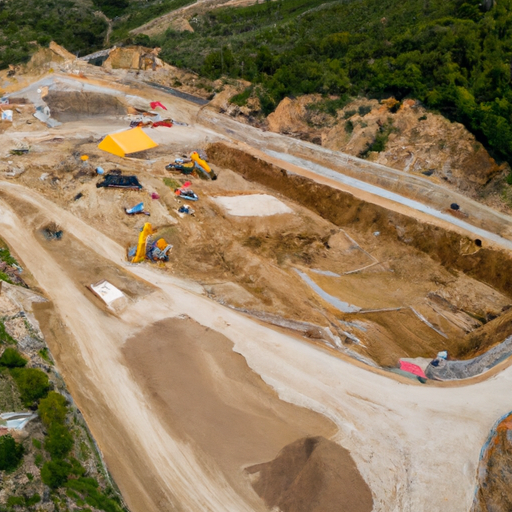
(129, 141)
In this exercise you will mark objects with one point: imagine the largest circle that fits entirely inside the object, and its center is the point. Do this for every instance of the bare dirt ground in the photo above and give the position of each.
(181, 407)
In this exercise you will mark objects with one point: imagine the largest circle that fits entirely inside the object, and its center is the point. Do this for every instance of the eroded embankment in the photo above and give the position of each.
(494, 492)
(452, 250)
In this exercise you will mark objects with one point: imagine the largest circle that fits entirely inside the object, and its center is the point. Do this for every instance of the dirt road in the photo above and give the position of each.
(406, 440)
(417, 447)
(375, 183)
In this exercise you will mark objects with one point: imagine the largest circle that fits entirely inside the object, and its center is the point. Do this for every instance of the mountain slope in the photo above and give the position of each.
(453, 56)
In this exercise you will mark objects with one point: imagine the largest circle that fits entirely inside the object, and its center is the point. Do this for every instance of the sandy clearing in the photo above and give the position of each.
(406, 440)
(210, 399)
(254, 205)
(417, 447)
(173, 467)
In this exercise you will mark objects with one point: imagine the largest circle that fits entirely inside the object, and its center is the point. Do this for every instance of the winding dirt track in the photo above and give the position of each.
(416, 446)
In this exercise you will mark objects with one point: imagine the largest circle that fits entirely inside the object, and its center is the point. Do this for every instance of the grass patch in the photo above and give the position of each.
(241, 98)
(170, 182)
(45, 354)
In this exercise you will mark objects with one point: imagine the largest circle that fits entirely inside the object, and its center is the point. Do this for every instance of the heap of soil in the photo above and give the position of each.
(312, 474)
(72, 105)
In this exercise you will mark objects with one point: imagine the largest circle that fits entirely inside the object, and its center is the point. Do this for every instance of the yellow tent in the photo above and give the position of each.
(129, 141)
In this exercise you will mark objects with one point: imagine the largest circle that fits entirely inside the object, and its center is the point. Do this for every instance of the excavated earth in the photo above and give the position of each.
(224, 383)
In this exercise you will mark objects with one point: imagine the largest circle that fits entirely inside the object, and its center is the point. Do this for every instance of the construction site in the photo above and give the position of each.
(248, 321)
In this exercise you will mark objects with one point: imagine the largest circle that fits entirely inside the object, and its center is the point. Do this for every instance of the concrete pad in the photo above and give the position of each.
(255, 205)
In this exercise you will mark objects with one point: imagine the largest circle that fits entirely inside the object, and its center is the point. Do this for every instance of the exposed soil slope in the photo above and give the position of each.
(414, 140)
(495, 475)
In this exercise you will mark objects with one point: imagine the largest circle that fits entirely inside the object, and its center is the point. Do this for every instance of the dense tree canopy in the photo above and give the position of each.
(452, 55)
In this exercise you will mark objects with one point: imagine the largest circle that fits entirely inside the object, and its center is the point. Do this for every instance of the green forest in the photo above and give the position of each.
(454, 56)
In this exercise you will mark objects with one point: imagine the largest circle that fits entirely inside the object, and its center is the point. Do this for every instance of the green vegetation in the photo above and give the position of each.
(381, 138)
(55, 473)
(26, 23)
(32, 384)
(451, 55)
(23, 501)
(11, 453)
(52, 409)
(12, 358)
(88, 489)
(170, 182)
(45, 354)
(5, 337)
(241, 99)
(6, 256)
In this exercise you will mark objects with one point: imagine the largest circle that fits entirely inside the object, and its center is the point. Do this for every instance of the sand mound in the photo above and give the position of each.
(312, 474)
(207, 394)
(255, 205)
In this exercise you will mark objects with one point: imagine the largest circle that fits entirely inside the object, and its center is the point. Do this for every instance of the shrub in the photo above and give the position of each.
(38, 460)
(241, 98)
(12, 501)
(88, 487)
(32, 383)
(52, 409)
(11, 453)
(32, 500)
(5, 255)
(12, 358)
(364, 109)
(59, 441)
(55, 473)
(23, 501)
(5, 337)
(349, 126)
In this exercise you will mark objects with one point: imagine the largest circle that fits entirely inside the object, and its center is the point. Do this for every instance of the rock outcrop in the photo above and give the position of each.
(411, 138)
(45, 58)
(494, 493)
(134, 57)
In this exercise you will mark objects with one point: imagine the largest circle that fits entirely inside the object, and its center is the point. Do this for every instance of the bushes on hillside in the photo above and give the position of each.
(55, 473)
(453, 56)
(11, 453)
(12, 358)
(32, 383)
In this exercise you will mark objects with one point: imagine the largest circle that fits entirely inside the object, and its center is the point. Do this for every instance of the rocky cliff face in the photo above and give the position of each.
(494, 492)
(404, 136)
